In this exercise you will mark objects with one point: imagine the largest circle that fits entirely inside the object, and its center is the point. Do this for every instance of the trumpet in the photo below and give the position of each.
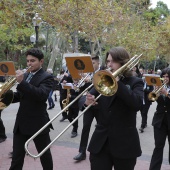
(105, 84)
(6, 95)
(153, 96)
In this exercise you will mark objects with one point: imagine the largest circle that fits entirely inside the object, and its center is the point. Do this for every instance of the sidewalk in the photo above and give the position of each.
(65, 148)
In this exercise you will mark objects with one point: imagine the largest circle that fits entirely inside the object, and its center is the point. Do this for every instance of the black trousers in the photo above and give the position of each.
(105, 161)
(88, 117)
(144, 113)
(2, 128)
(160, 139)
(41, 141)
(72, 114)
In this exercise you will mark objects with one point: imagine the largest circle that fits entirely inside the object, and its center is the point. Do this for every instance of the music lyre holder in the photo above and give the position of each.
(78, 64)
(7, 68)
(153, 79)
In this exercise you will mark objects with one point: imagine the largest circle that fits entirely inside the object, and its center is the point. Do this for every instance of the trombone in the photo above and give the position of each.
(108, 84)
(81, 83)
(153, 96)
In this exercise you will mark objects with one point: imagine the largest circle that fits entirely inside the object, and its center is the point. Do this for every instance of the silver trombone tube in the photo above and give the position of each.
(60, 134)
(46, 125)
(81, 83)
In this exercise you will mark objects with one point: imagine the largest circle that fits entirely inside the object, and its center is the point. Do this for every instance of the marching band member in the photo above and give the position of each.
(115, 141)
(88, 117)
(161, 122)
(65, 78)
(145, 106)
(73, 110)
(32, 92)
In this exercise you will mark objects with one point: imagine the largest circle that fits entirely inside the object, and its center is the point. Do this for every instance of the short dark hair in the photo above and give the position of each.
(94, 57)
(35, 52)
(166, 71)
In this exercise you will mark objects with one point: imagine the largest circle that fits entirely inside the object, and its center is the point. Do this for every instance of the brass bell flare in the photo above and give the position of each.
(152, 96)
(105, 83)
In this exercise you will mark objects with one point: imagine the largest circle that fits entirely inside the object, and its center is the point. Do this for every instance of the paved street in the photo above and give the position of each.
(65, 148)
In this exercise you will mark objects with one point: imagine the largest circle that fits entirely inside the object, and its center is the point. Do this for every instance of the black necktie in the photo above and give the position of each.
(29, 77)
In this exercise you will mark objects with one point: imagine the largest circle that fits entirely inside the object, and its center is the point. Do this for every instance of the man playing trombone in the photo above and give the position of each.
(32, 93)
(115, 141)
(161, 121)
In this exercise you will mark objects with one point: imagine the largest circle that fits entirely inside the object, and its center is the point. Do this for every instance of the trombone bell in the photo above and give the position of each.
(105, 83)
(153, 96)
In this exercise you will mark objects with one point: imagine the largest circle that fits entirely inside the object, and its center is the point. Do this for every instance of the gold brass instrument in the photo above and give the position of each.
(81, 83)
(105, 82)
(153, 96)
(108, 84)
(65, 102)
(6, 95)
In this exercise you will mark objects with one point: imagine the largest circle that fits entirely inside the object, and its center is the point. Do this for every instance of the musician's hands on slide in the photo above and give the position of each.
(90, 99)
(164, 91)
(19, 76)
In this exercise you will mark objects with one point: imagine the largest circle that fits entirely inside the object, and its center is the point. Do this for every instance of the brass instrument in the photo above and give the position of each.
(65, 102)
(153, 96)
(81, 83)
(6, 95)
(105, 83)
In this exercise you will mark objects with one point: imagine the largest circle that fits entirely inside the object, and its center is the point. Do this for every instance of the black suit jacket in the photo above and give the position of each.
(162, 109)
(32, 114)
(117, 120)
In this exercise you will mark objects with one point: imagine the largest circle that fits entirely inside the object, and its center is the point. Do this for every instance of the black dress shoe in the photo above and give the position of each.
(141, 129)
(49, 108)
(2, 140)
(80, 157)
(53, 106)
(63, 118)
(73, 134)
(10, 154)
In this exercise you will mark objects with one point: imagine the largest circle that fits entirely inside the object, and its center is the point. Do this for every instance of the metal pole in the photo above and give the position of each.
(36, 36)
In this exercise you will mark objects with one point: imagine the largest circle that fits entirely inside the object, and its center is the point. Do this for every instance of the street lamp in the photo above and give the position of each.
(36, 22)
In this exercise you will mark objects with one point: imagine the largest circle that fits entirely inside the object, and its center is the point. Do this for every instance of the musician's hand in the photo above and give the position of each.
(64, 81)
(117, 78)
(163, 91)
(66, 74)
(19, 76)
(87, 80)
(90, 99)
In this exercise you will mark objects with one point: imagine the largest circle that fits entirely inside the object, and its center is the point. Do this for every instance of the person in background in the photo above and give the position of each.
(158, 72)
(32, 93)
(2, 127)
(142, 71)
(64, 78)
(115, 141)
(136, 72)
(73, 110)
(50, 99)
(145, 106)
(161, 122)
(88, 118)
